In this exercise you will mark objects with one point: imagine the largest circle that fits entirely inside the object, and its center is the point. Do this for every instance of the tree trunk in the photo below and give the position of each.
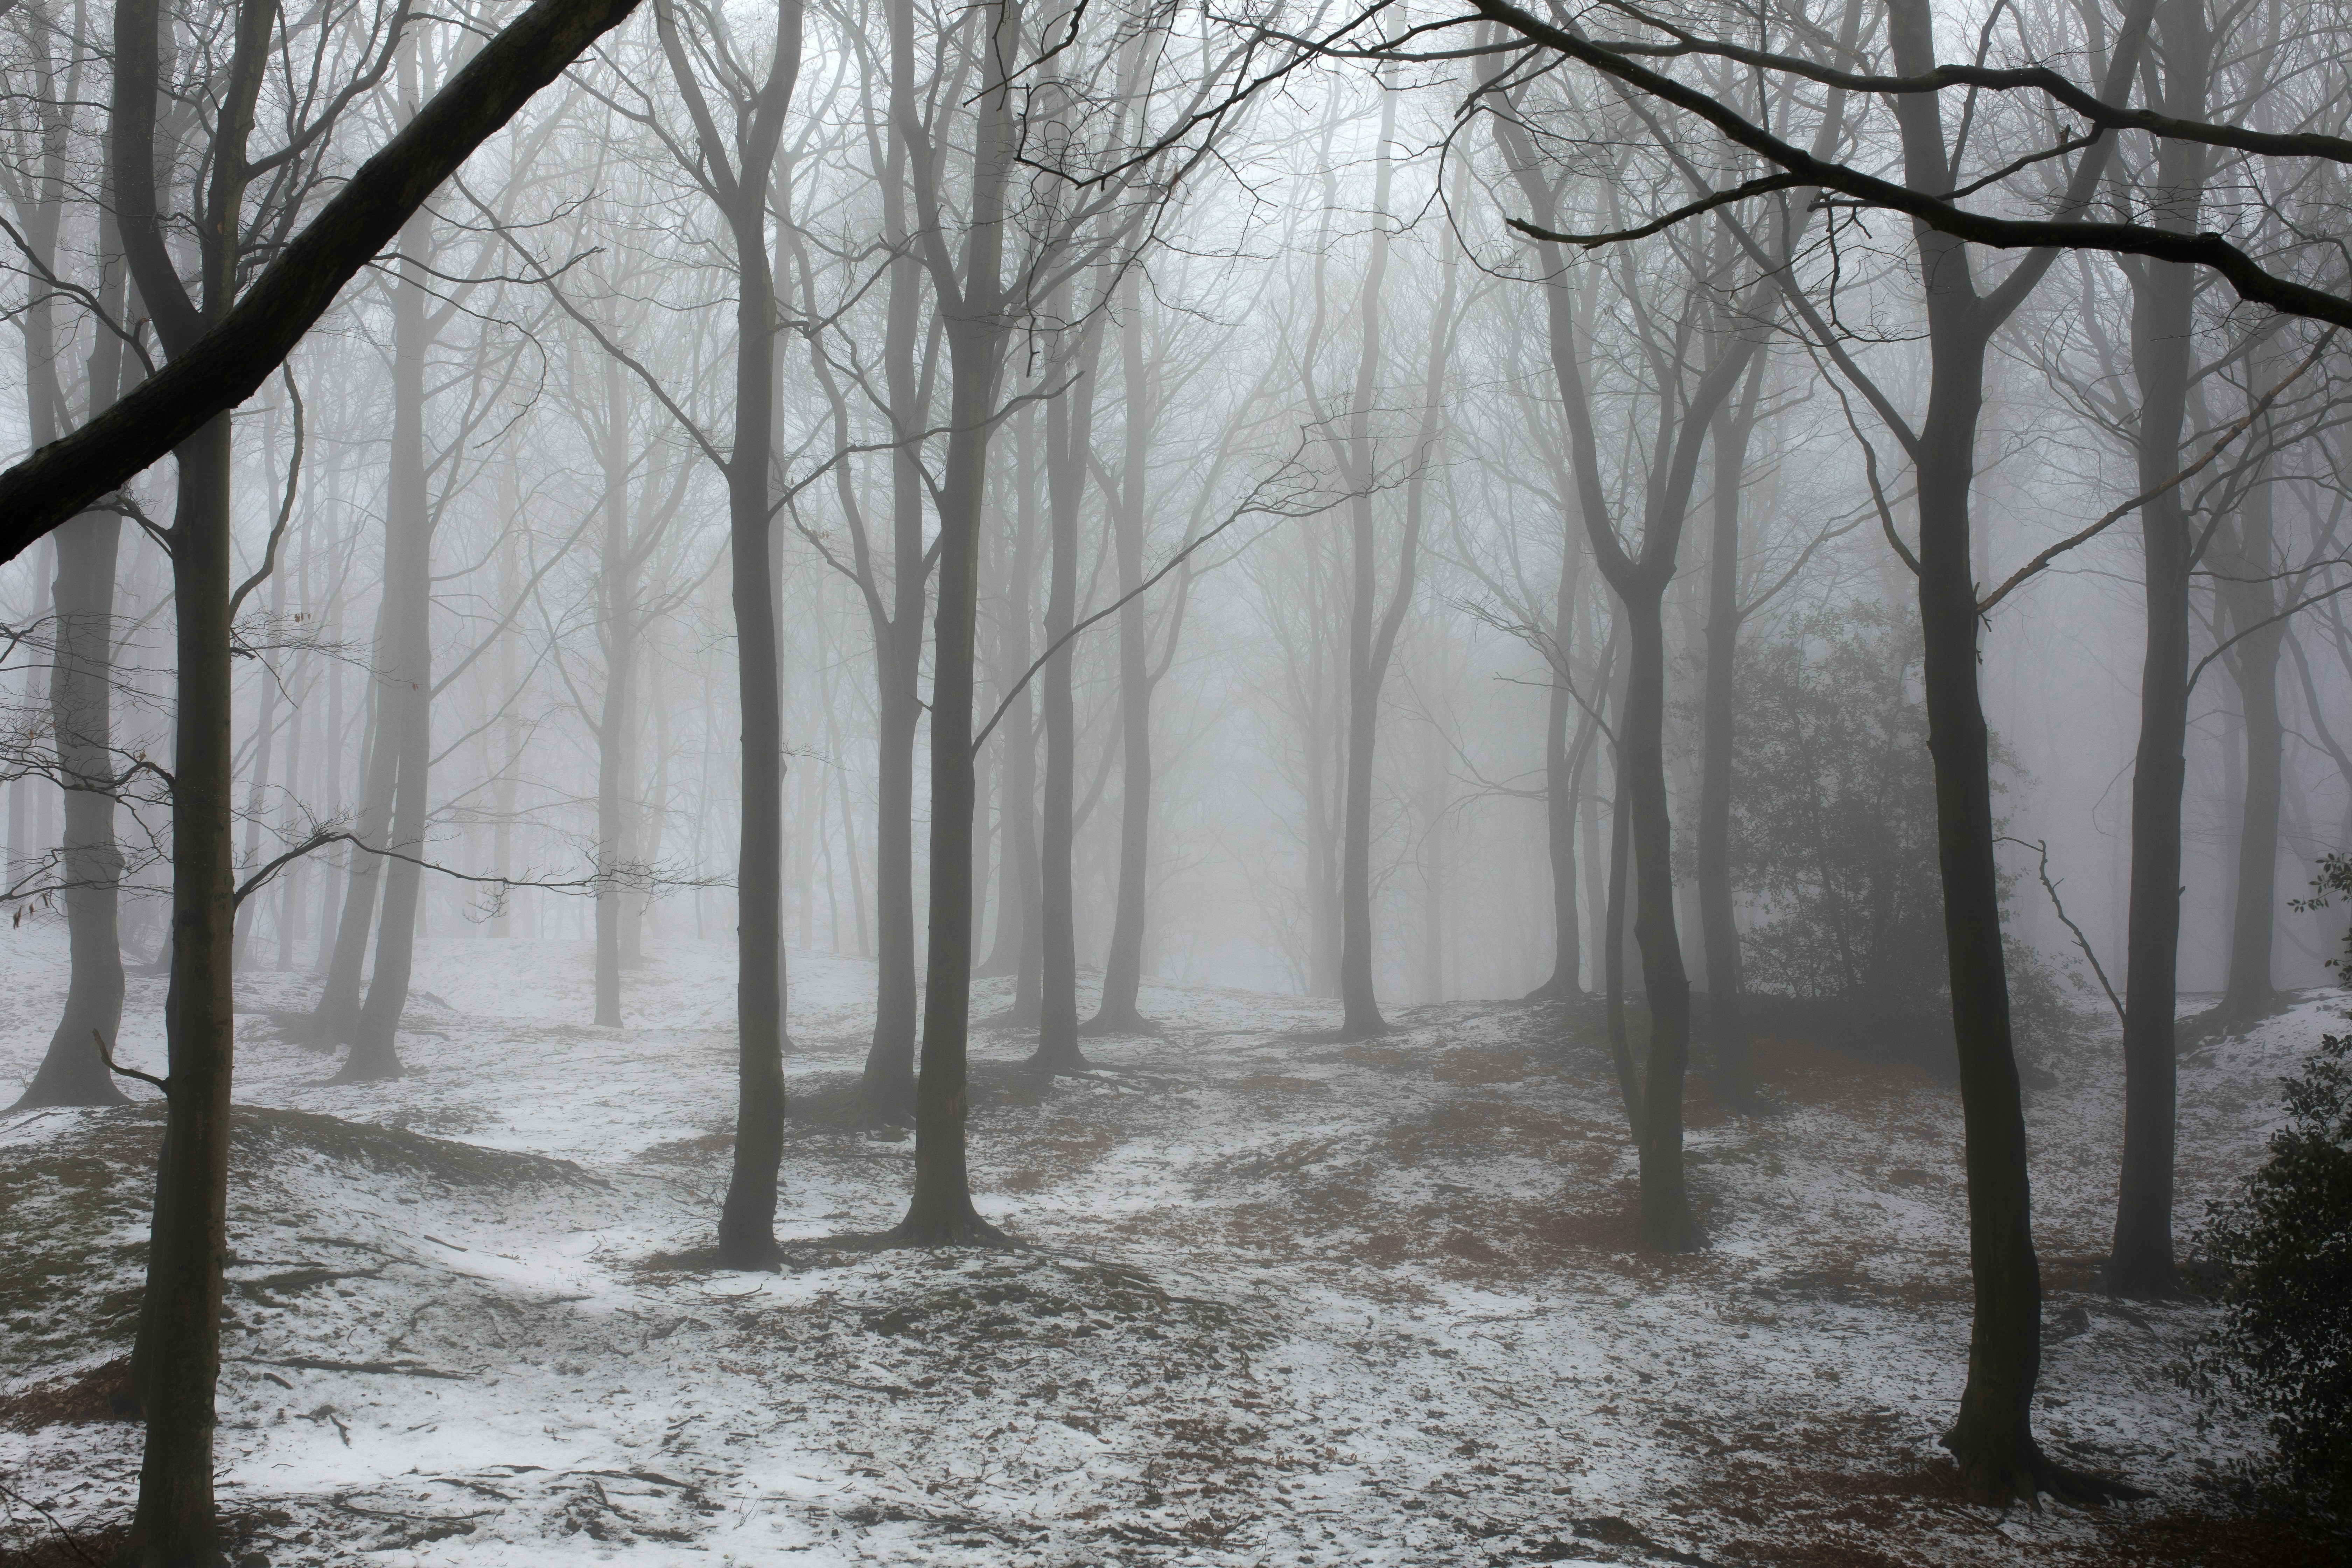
(1666, 1222)
(81, 710)
(1726, 1025)
(612, 719)
(748, 1218)
(1123, 966)
(2249, 994)
(1566, 983)
(406, 680)
(2163, 326)
(179, 1363)
(1991, 1438)
(888, 1087)
(1069, 435)
(941, 1211)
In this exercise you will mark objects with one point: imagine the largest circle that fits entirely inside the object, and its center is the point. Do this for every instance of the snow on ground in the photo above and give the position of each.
(1283, 1303)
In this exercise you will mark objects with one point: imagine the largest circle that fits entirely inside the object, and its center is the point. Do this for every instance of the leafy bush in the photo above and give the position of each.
(1833, 834)
(2284, 1252)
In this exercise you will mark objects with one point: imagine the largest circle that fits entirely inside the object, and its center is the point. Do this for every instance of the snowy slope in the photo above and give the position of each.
(1284, 1302)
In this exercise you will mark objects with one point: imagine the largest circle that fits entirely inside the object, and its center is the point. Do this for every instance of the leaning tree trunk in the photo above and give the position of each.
(1992, 1437)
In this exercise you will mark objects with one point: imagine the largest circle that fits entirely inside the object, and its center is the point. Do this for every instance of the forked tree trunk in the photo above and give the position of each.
(941, 1211)
(1991, 1438)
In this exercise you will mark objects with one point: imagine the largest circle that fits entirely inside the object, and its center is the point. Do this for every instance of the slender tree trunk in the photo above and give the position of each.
(1991, 1438)
(1123, 966)
(1565, 983)
(81, 711)
(1069, 435)
(1361, 1011)
(747, 1220)
(2248, 992)
(941, 1211)
(1726, 1023)
(1613, 962)
(1666, 1222)
(2163, 303)
(407, 681)
(335, 1021)
(612, 726)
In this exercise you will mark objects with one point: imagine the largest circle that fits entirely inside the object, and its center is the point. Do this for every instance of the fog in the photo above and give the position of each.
(1115, 783)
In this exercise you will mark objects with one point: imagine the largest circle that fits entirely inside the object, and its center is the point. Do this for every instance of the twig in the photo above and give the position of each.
(107, 1056)
(2018, 577)
(2042, 848)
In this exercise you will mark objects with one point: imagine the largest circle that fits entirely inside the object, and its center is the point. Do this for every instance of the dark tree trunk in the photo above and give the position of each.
(1666, 1222)
(1991, 1438)
(2163, 300)
(941, 1211)
(181, 1322)
(747, 1220)
(1359, 1007)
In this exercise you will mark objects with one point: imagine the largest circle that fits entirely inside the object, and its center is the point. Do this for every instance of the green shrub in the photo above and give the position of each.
(2283, 1251)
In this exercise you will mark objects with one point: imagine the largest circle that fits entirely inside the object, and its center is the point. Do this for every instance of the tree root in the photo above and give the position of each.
(963, 1227)
(1997, 1481)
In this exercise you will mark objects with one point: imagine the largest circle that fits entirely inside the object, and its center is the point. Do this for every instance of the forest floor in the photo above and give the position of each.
(1282, 1302)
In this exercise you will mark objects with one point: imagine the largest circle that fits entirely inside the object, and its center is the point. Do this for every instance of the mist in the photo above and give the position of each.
(1070, 783)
